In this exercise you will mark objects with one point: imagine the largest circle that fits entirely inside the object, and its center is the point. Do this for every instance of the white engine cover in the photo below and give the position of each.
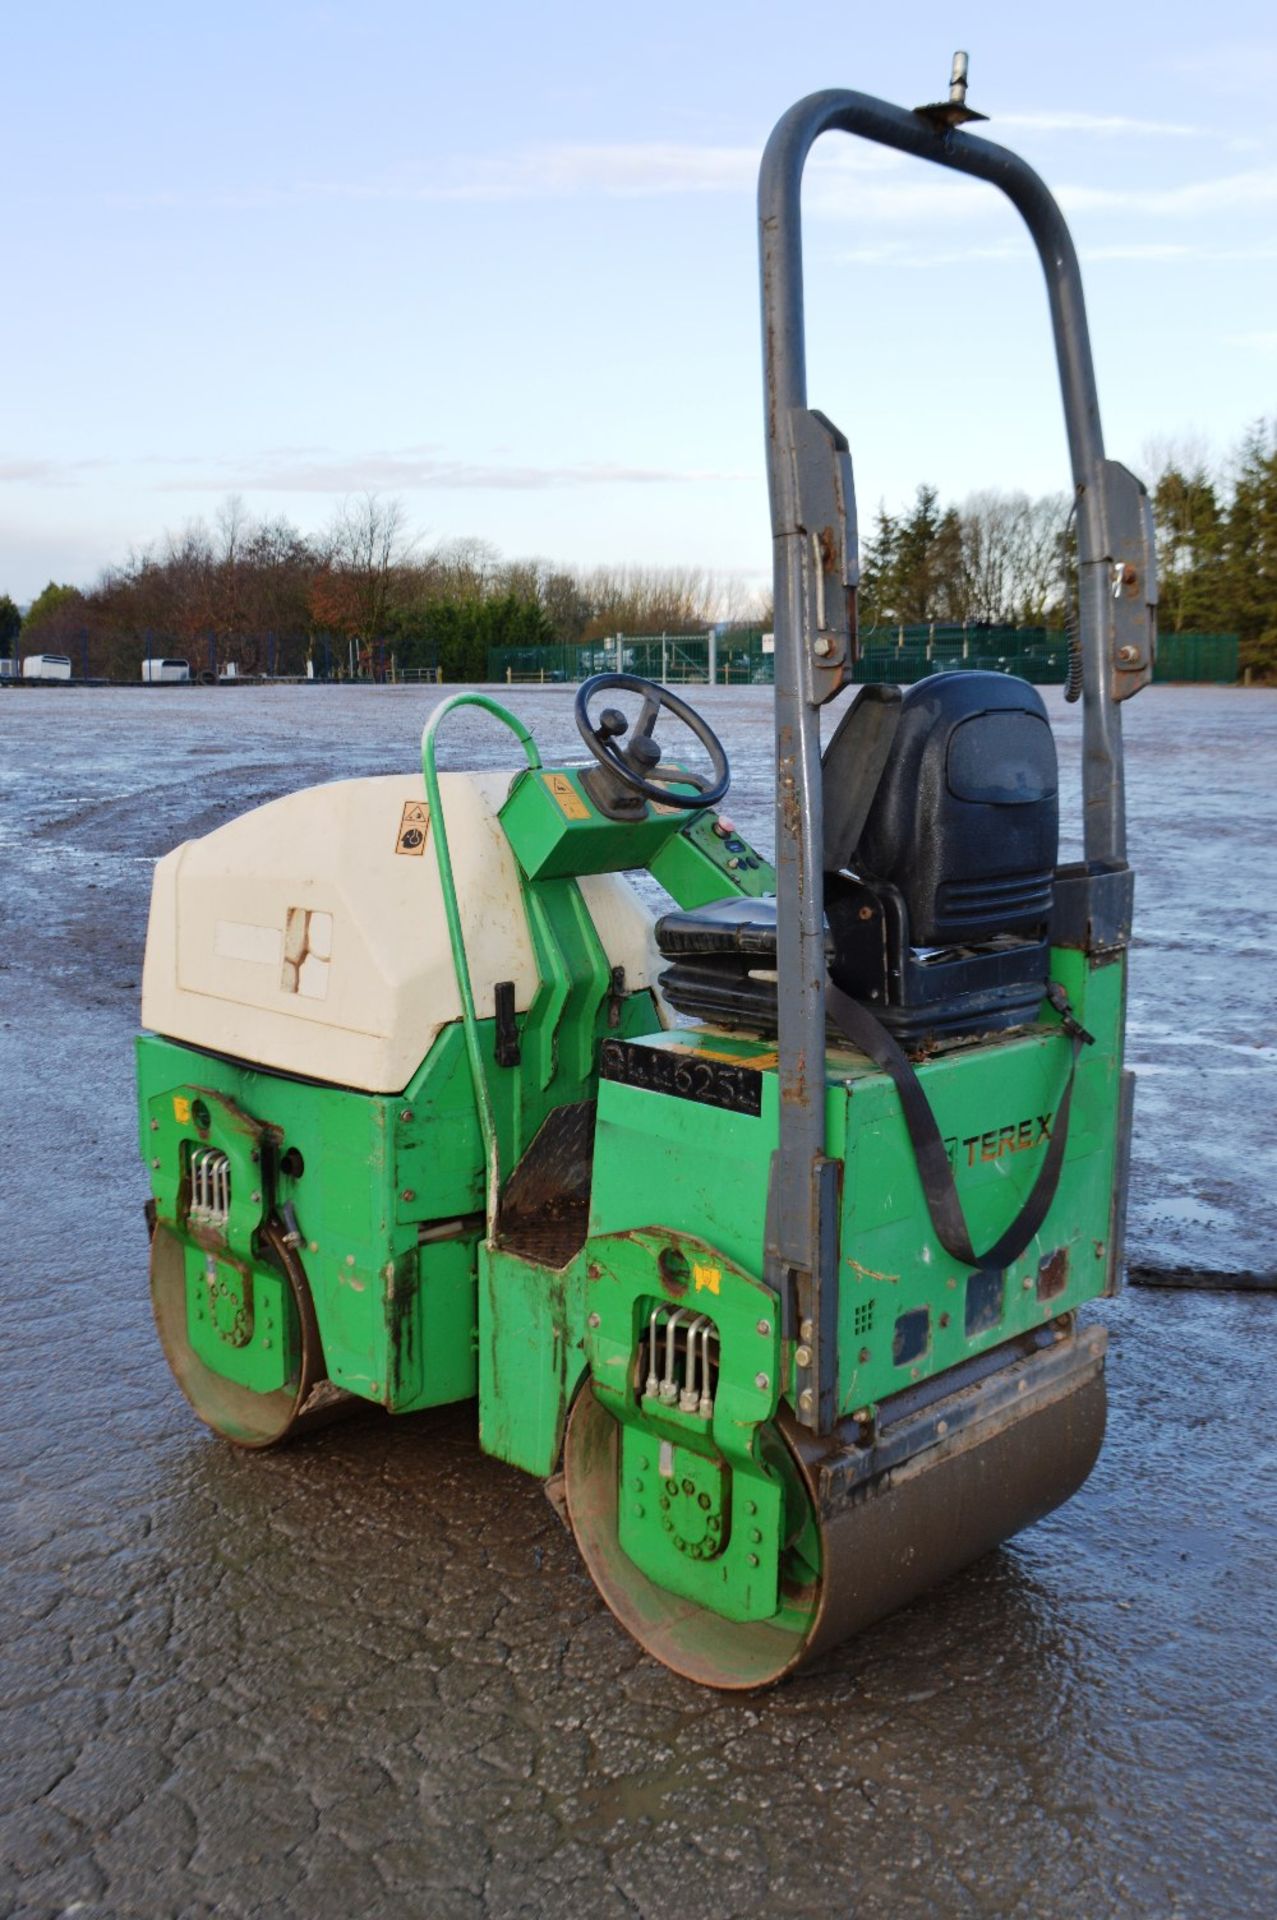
(309, 936)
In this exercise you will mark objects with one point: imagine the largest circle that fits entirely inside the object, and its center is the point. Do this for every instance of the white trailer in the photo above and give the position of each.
(165, 672)
(46, 666)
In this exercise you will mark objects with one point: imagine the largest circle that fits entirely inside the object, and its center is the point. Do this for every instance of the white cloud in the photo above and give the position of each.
(408, 472)
(909, 253)
(844, 179)
(1228, 193)
(1102, 123)
(1263, 339)
(44, 473)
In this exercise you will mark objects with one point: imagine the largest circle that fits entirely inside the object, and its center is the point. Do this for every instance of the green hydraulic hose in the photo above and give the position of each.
(452, 913)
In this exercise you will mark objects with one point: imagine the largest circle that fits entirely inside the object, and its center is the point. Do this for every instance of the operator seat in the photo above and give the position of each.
(941, 837)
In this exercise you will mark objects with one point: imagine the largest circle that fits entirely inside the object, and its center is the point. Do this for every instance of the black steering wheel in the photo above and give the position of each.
(635, 761)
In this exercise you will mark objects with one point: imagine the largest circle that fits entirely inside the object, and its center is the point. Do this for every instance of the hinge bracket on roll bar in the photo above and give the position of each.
(1129, 554)
(823, 498)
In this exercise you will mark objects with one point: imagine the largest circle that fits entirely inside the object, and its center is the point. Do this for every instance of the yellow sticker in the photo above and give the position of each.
(567, 796)
(414, 825)
(181, 1110)
(668, 767)
(707, 1278)
(762, 1062)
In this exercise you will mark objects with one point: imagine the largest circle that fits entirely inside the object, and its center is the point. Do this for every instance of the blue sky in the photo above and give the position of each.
(500, 260)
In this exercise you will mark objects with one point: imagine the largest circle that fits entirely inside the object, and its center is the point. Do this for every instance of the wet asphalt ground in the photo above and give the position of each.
(369, 1675)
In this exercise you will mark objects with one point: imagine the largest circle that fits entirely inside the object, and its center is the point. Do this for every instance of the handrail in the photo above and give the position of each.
(456, 938)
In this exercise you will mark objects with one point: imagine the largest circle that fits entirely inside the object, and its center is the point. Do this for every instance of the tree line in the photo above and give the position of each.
(1003, 559)
(358, 597)
(364, 592)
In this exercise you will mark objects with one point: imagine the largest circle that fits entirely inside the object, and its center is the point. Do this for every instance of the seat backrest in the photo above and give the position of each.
(964, 819)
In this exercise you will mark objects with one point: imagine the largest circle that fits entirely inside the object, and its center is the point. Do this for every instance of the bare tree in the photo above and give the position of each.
(361, 575)
(1012, 557)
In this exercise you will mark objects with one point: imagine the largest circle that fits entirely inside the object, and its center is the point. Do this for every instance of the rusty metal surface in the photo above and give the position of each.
(369, 1674)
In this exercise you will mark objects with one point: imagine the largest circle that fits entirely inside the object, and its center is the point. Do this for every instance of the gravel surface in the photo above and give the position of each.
(369, 1675)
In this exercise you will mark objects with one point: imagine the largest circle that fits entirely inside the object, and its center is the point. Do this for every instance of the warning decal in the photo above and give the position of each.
(414, 825)
(567, 796)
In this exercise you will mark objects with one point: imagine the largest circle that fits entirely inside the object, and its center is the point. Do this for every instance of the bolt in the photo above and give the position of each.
(942, 1426)
(750, 1507)
(638, 1483)
(406, 1115)
(266, 1343)
(764, 1327)
(314, 1246)
(823, 646)
(806, 1330)
(802, 1356)
(761, 1382)
(255, 1198)
(350, 1259)
(1128, 653)
(255, 1156)
(641, 1463)
(806, 1400)
(1028, 1282)
(638, 1509)
(155, 1126)
(408, 1193)
(594, 1321)
(866, 913)
(751, 1559)
(156, 1165)
(864, 1355)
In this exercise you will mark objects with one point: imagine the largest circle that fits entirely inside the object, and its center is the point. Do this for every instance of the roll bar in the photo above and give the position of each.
(816, 574)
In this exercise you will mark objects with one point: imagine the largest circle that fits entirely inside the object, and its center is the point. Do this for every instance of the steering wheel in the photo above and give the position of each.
(635, 762)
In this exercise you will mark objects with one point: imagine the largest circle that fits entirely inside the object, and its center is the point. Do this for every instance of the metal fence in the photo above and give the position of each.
(743, 657)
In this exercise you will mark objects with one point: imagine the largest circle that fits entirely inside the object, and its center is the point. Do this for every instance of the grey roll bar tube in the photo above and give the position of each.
(816, 574)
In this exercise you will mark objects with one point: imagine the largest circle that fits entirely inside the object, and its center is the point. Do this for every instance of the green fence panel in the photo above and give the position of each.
(1197, 656)
(900, 655)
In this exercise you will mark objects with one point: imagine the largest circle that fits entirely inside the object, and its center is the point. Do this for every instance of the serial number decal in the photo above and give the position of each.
(687, 1076)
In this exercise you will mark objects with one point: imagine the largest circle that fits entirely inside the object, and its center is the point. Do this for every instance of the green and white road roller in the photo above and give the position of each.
(760, 1226)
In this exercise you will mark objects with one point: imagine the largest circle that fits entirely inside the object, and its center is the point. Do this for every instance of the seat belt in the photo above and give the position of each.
(868, 1034)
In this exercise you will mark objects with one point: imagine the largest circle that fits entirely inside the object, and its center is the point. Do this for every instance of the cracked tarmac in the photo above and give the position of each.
(369, 1674)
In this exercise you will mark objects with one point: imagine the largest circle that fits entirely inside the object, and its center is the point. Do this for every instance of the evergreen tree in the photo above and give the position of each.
(1249, 571)
(47, 607)
(10, 624)
(877, 573)
(1190, 551)
(927, 575)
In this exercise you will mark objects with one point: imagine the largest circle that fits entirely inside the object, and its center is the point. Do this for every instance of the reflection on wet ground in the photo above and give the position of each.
(369, 1675)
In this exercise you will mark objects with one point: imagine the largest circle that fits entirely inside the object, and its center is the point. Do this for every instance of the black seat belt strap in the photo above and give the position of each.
(868, 1034)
